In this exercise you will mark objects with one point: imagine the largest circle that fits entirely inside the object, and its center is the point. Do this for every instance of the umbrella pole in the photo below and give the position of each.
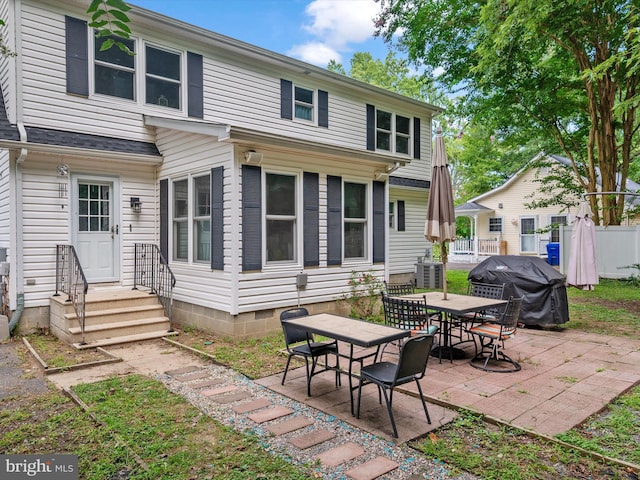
(444, 270)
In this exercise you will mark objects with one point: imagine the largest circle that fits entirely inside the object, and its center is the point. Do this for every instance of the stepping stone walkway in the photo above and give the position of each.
(296, 431)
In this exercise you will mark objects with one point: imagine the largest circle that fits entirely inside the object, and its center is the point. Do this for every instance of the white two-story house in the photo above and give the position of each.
(263, 181)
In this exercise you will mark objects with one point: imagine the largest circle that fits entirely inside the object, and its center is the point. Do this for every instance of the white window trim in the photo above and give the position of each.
(297, 262)
(534, 235)
(139, 83)
(501, 218)
(183, 78)
(392, 214)
(190, 219)
(368, 234)
(195, 218)
(314, 106)
(393, 133)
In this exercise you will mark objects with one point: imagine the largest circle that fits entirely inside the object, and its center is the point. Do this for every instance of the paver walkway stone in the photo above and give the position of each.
(372, 469)
(270, 414)
(251, 406)
(341, 454)
(287, 426)
(313, 438)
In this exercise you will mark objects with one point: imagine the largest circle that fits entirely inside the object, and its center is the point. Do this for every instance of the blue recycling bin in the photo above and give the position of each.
(553, 254)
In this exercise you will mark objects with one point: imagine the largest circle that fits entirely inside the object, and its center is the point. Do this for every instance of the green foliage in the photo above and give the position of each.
(110, 21)
(541, 70)
(393, 74)
(363, 296)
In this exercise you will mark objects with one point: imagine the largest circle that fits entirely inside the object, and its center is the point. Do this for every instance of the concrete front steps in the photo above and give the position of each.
(112, 316)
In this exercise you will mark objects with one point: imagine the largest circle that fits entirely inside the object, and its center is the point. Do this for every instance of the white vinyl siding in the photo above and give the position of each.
(405, 247)
(5, 199)
(46, 217)
(245, 94)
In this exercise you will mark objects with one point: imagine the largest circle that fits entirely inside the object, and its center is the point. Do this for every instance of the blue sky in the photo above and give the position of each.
(314, 31)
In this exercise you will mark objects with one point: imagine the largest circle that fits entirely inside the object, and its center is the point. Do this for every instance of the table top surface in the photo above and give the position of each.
(350, 330)
(455, 303)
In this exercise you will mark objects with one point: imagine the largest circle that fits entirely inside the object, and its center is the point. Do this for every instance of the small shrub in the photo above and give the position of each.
(363, 295)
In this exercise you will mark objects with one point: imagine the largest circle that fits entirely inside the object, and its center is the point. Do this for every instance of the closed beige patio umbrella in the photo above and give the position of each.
(440, 226)
(582, 271)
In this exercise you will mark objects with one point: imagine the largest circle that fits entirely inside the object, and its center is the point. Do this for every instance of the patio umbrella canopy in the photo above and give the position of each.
(582, 270)
(440, 225)
(545, 294)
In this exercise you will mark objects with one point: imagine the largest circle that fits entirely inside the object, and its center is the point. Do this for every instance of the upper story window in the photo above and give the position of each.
(393, 132)
(495, 225)
(115, 72)
(281, 221)
(303, 103)
(162, 77)
(355, 220)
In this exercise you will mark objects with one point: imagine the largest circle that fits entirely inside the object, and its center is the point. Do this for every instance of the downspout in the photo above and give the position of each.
(18, 251)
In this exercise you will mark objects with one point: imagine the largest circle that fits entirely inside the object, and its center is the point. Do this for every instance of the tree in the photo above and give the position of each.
(533, 69)
(394, 74)
(110, 22)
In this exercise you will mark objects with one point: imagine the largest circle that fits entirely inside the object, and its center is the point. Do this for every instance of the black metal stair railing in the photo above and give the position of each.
(70, 279)
(152, 271)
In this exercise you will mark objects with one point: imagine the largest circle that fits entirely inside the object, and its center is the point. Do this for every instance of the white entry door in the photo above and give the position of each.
(96, 227)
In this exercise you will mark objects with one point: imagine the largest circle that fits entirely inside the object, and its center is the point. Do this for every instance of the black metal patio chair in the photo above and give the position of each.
(301, 343)
(491, 357)
(411, 367)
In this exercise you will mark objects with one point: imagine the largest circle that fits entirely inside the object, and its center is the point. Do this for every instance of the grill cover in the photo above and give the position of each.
(545, 294)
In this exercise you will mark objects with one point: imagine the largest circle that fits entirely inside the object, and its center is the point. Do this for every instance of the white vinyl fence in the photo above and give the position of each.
(616, 248)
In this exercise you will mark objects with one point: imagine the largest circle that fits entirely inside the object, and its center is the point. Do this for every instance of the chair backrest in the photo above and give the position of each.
(486, 290)
(293, 333)
(394, 289)
(509, 318)
(405, 314)
(413, 358)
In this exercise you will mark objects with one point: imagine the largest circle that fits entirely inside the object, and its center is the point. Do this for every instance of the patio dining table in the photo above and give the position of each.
(455, 305)
(353, 332)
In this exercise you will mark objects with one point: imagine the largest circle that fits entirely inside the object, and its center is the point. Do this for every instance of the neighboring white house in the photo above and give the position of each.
(501, 222)
(244, 166)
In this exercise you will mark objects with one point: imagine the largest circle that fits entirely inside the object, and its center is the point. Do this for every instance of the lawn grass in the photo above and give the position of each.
(144, 432)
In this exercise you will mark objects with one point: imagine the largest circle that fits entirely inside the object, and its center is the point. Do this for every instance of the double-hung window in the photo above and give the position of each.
(115, 70)
(393, 132)
(281, 220)
(192, 219)
(181, 220)
(355, 220)
(303, 103)
(556, 221)
(202, 218)
(162, 77)
(495, 225)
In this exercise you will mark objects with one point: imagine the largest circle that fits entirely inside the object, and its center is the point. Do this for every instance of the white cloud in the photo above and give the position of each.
(315, 53)
(335, 26)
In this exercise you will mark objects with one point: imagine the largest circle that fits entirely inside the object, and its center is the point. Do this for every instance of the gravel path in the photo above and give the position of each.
(412, 464)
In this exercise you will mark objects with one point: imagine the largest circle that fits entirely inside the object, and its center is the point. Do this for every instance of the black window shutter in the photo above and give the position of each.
(401, 227)
(378, 222)
(251, 217)
(164, 219)
(311, 220)
(77, 56)
(195, 85)
(334, 220)
(416, 137)
(371, 127)
(217, 218)
(286, 99)
(323, 109)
